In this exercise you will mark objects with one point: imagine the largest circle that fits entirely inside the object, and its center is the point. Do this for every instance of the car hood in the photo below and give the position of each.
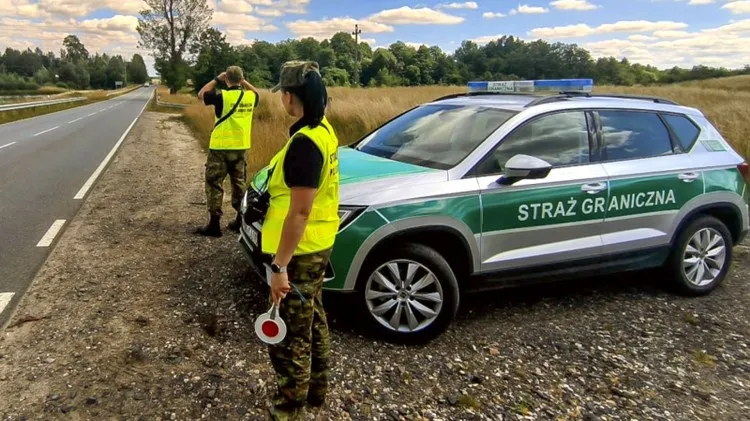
(365, 178)
(362, 175)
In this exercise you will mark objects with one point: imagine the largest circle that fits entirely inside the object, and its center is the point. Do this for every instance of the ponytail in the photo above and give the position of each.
(314, 97)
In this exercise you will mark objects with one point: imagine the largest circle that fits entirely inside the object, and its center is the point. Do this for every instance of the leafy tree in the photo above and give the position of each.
(136, 70)
(214, 56)
(75, 51)
(171, 28)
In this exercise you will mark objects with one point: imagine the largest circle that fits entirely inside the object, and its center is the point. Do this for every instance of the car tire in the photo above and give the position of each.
(431, 279)
(692, 265)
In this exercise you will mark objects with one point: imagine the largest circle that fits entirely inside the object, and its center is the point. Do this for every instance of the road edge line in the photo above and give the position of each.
(90, 182)
(51, 233)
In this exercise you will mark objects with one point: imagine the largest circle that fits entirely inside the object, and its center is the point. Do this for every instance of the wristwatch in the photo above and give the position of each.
(275, 268)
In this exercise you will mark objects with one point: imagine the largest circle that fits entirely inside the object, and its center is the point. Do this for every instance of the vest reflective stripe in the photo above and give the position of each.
(323, 222)
(234, 132)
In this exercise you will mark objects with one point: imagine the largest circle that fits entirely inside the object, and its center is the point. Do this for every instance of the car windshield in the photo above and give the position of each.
(437, 136)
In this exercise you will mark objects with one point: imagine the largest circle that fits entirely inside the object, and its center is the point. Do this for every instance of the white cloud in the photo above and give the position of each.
(407, 16)
(241, 22)
(466, 5)
(583, 30)
(326, 28)
(492, 15)
(701, 2)
(21, 9)
(672, 34)
(529, 10)
(738, 7)
(641, 38)
(573, 5)
(77, 8)
(727, 46)
(235, 6)
(269, 12)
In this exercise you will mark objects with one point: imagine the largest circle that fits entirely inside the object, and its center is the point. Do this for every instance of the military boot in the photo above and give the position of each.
(212, 229)
(236, 224)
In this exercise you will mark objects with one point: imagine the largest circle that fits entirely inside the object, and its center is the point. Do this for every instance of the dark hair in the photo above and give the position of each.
(314, 97)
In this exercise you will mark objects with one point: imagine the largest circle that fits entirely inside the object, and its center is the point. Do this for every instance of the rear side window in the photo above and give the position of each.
(633, 135)
(683, 128)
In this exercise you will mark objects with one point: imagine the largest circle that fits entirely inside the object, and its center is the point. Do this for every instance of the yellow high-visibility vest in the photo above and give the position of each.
(323, 222)
(233, 133)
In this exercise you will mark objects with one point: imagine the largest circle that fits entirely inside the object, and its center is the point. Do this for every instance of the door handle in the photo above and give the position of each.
(594, 188)
(689, 177)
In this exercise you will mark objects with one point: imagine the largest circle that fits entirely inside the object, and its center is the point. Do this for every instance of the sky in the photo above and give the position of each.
(663, 33)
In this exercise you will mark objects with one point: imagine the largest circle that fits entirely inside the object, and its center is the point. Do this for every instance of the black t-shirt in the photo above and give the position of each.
(214, 98)
(303, 162)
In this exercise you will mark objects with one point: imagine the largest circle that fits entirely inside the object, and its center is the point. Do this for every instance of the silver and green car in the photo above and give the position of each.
(504, 185)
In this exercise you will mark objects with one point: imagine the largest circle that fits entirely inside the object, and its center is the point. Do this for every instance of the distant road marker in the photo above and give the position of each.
(46, 131)
(73, 121)
(93, 113)
(9, 144)
(51, 233)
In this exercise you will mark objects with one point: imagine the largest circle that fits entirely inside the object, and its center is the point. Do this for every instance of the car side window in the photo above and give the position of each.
(561, 139)
(685, 130)
(633, 134)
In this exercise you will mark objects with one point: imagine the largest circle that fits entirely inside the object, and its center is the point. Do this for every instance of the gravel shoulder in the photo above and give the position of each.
(134, 317)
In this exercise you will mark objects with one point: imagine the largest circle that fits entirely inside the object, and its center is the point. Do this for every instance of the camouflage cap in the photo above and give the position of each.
(293, 73)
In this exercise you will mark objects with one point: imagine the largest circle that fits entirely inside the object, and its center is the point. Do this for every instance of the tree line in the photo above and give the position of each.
(507, 58)
(74, 68)
(186, 46)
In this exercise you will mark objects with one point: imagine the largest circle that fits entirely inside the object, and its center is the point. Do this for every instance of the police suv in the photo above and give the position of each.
(505, 184)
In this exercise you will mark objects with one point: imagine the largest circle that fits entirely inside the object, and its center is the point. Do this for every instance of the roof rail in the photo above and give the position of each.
(467, 94)
(563, 96)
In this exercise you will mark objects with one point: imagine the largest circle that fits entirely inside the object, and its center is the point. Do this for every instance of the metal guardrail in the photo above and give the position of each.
(22, 105)
(169, 104)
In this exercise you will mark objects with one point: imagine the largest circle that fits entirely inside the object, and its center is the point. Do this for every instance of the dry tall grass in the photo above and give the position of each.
(355, 112)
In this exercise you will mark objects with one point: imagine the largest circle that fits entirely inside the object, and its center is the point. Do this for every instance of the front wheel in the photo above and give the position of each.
(409, 294)
(701, 256)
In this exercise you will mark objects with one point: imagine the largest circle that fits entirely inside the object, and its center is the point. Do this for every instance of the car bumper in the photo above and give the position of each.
(249, 240)
(260, 263)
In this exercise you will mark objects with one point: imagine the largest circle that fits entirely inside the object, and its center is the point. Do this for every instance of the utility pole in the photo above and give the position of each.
(356, 64)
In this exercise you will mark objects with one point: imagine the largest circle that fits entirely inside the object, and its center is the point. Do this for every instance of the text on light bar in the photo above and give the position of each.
(558, 85)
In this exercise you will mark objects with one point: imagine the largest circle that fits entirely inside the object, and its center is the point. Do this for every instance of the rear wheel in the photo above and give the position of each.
(409, 294)
(701, 256)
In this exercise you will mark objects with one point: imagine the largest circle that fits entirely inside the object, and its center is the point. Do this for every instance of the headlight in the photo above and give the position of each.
(243, 204)
(347, 214)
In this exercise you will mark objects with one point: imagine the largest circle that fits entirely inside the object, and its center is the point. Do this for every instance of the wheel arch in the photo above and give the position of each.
(440, 233)
(729, 213)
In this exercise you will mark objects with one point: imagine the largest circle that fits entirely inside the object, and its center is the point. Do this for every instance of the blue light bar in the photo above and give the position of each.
(557, 85)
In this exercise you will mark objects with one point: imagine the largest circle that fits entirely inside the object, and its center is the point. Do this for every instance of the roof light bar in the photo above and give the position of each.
(542, 85)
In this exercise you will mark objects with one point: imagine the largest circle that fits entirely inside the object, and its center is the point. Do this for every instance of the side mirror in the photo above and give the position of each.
(521, 167)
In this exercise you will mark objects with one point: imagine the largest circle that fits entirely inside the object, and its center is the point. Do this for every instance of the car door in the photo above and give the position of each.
(650, 177)
(549, 220)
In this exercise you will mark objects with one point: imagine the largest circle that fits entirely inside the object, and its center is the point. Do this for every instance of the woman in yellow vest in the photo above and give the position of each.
(299, 231)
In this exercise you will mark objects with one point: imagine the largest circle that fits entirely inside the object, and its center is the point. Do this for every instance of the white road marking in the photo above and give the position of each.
(9, 144)
(81, 193)
(5, 298)
(46, 131)
(51, 233)
(73, 121)
(92, 113)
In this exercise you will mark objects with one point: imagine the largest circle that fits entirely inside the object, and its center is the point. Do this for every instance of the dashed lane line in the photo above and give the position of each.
(46, 131)
(73, 121)
(5, 298)
(9, 144)
(94, 113)
(51, 233)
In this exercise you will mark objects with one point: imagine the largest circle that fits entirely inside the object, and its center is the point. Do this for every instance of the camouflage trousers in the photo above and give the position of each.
(219, 164)
(301, 360)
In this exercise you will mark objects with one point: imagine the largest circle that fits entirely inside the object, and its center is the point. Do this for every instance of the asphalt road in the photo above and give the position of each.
(47, 166)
